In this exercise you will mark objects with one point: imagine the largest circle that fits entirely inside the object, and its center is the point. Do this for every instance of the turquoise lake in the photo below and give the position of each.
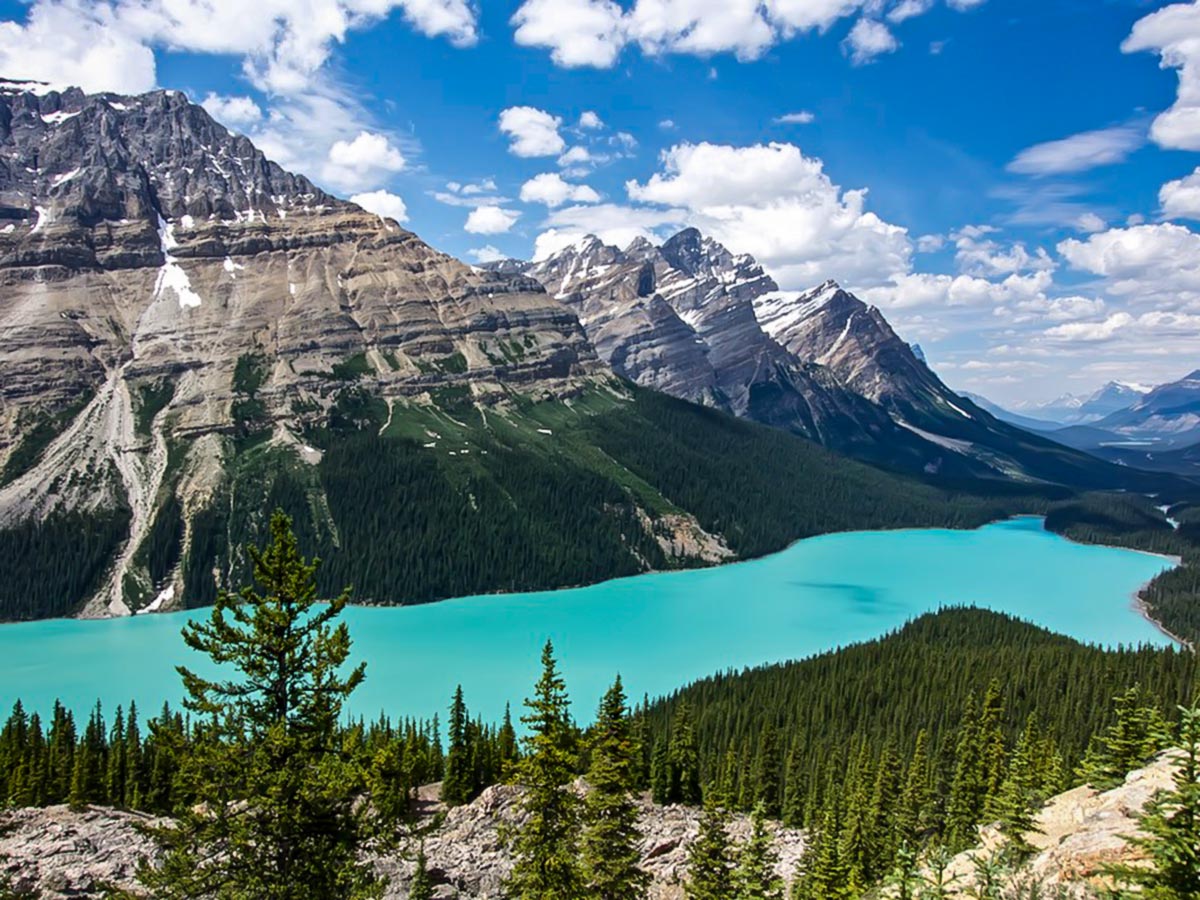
(659, 631)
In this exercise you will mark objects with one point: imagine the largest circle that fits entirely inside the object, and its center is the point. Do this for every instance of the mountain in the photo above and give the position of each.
(680, 318)
(1169, 415)
(1005, 415)
(1158, 429)
(1070, 409)
(699, 322)
(192, 336)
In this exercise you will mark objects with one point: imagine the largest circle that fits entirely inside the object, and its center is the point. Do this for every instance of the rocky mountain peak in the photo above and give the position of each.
(641, 248)
(90, 159)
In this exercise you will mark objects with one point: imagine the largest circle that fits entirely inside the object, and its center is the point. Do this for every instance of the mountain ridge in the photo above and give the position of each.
(819, 363)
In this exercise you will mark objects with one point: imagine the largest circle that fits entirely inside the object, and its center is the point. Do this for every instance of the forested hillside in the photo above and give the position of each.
(961, 718)
(463, 501)
(786, 731)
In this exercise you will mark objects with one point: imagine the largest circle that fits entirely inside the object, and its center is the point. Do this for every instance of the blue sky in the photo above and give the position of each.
(1007, 179)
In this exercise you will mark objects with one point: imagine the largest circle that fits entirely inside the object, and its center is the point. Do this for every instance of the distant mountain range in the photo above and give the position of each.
(1070, 409)
(1154, 428)
(191, 335)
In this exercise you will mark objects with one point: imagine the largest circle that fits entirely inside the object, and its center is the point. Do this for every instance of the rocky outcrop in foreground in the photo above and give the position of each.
(1080, 833)
(67, 854)
(466, 856)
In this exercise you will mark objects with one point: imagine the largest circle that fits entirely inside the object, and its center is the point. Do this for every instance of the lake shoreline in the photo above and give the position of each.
(658, 633)
(1139, 606)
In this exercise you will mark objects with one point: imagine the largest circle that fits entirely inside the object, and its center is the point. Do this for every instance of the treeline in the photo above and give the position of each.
(888, 752)
(131, 763)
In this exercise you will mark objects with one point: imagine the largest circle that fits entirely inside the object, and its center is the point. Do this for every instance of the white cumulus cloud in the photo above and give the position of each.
(74, 43)
(233, 112)
(384, 204)
(594, 32)
(359, 163)
(774, 202)
(486, 254)
(532, 132)
(869, 39)
(1157, 264)
(1174, 34)
(491, 220)
(550, 188)
(1180, 199)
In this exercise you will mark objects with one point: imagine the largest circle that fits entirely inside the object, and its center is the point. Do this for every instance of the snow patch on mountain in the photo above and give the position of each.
(172, 277)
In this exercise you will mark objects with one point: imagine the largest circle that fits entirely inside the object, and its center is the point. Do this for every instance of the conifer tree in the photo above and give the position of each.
(457, 780)
(826, 875)
(610, 838)
(992, 762)
(135, 773)
(710, 864)
(1013, 806)
(115, 773)
(795, 789)
(881, 816)
(684, 759)
(904, 877)
(421, 887)
(963, 805)
(755, 877)
(507, 744)
(278, 819)
(1171, 828)
(546, 848)
(660, 774)
(767, 776)
(915, 799)
(1137, 733)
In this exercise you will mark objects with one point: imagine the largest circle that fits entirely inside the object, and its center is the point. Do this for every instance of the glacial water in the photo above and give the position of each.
(659, 631)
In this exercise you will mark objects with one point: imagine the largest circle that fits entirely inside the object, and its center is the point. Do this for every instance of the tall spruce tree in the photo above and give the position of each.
(684, 759)
(610, 837)
(755, 877)
(826, 874)
(457, 780)
(1021, 792)
(546, 847)
(768, 779)
(278, 818)
(965, 801)
(710, 860)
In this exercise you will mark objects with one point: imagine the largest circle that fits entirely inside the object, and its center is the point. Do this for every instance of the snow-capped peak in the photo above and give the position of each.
(779, 311)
